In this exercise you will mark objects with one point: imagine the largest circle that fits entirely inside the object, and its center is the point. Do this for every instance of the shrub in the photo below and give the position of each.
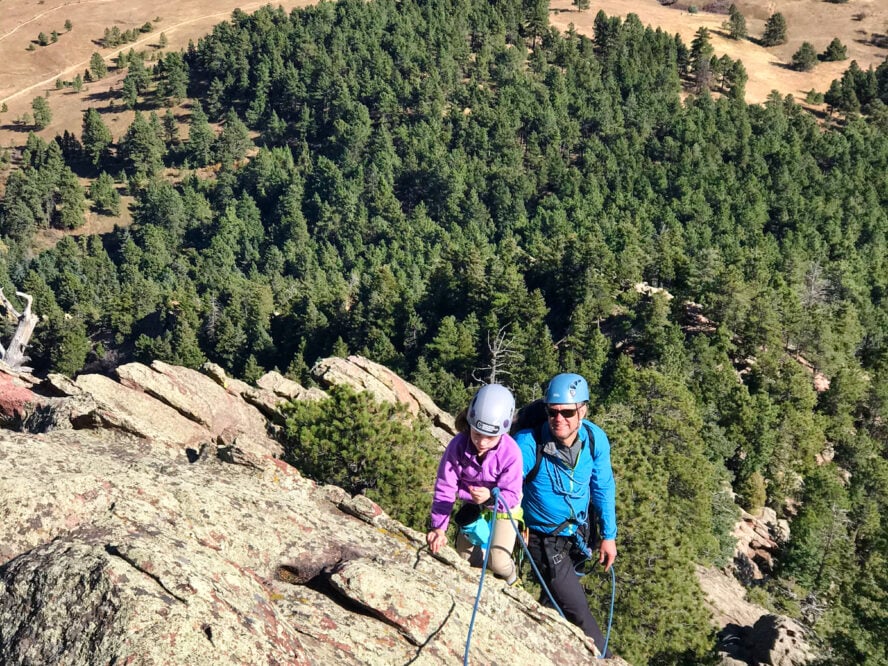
(758, 596)
(751, 493)
(364, 446)
(805, 58)
(835, 52)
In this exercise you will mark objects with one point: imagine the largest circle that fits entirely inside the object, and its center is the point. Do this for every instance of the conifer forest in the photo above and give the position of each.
(461, 193)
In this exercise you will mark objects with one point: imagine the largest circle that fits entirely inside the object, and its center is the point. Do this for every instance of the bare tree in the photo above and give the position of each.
(502, 356)
(816, 287)
(14, 354)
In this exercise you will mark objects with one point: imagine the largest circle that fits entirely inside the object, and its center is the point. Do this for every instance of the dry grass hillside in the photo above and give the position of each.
(862, 25)
(26, 74)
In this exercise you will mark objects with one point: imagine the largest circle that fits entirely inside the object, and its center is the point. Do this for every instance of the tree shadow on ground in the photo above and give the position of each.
(19, 127)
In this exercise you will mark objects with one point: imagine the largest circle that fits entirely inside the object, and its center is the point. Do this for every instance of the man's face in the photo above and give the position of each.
(564, 421)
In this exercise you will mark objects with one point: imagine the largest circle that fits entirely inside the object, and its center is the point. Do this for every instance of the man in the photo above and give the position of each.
(574, 476)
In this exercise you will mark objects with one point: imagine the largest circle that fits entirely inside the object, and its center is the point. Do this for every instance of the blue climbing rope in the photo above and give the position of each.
(532, 563)
(610, 616)
(495, 493)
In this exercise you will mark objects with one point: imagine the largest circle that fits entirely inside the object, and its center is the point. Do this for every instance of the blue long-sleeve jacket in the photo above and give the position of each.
(558, 493)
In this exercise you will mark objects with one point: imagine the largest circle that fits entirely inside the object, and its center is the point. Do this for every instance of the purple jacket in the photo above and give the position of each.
(460, 468)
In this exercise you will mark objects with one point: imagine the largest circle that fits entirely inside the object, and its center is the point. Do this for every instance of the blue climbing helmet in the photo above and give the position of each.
(491, 410)
(566, 389)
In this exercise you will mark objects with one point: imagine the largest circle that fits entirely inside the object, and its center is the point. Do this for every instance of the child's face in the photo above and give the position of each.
(483, 443)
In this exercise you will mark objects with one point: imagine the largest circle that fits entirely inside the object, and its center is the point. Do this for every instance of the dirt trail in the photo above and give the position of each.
(148, 39)
(49, 11)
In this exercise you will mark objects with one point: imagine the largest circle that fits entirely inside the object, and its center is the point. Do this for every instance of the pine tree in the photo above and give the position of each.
(775, 30)
(104, 196)
(97, 66)
(736, 24)
(835, 52)
(701, 59)
(141, 148)
(536, 19)
(805, 58)
(233, 141)
(366, 447)
(820, 539)
(664, 480)
(42, 112)
(172, 78)
(170, 128)
(68, 343)
(95, 136)
(71, 201)
(129, 92)
(198, 147)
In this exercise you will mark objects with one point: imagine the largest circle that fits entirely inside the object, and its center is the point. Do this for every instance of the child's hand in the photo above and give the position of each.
(436, 539)
(479, 495)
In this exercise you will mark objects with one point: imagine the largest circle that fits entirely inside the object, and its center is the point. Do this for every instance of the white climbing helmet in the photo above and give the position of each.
(490, 412)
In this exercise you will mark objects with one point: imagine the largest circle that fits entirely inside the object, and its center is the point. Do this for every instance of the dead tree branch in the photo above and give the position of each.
(502, 356)
(14, 354)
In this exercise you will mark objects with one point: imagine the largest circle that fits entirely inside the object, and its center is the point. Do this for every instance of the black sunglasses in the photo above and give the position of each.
(565, 413)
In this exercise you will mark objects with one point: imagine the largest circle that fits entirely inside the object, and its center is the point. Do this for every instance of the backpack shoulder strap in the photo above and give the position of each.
(591, 433)
(538, 439)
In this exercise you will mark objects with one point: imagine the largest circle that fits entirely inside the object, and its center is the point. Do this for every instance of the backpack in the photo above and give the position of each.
(532, 416)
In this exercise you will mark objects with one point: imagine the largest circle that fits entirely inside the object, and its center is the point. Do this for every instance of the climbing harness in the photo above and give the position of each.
(498, 502)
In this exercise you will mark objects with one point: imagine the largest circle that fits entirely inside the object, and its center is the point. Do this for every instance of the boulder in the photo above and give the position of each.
(276, 383)
(749, 634)
(758, 541)
(773, 640)
(220, 415)
(726, 599)
(362, 374)
(17, 400)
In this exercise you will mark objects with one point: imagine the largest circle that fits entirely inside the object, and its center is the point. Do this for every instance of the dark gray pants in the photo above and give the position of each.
(552, 555)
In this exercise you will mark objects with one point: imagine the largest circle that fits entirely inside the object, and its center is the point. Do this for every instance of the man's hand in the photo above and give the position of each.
(479, 495)
(607, 553)
(436, 539)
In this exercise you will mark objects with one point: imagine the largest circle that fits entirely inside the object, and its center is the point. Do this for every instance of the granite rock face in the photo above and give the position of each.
(364, 375)
(748, 633)
(147, 519)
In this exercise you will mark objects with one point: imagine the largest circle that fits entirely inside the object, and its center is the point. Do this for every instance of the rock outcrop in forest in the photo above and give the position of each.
(150, 522)
(148, 519)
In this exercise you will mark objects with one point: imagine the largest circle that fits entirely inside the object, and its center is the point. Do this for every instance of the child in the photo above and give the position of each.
(483, 456)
